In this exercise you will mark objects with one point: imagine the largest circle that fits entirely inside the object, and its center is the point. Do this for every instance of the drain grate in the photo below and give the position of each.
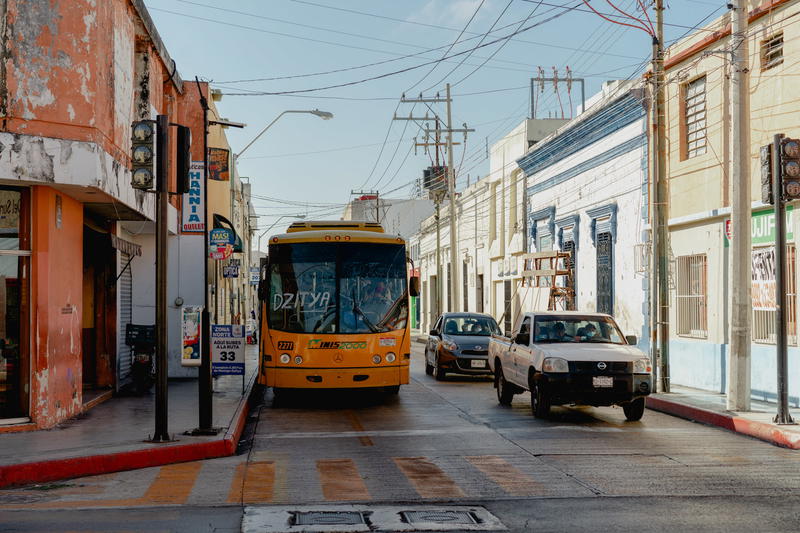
(328, 518)
(439, 517)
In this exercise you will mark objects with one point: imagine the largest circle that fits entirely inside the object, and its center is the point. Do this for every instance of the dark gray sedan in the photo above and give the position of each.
(459, 343)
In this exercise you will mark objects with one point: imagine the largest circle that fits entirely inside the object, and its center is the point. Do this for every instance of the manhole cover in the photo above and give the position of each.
(328, 518)
(439, 517)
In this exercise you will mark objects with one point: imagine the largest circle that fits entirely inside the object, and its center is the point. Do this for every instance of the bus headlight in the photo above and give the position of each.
(390, 357)
(298, 360)
(285, 358)
(376, 359)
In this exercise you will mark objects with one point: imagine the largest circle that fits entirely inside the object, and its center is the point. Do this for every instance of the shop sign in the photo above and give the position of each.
(762, 227)
(190, 321)
(218, 164)
(220, 243)
(230, 271)
(227, 350)
(192, 212)
(9, 209)
(254, 276)
(763, 276)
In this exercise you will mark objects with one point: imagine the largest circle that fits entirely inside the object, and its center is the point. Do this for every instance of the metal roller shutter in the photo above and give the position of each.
(125, 289)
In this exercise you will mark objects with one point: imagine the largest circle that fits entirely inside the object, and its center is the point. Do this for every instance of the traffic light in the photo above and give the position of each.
(766, 174)
(184, 142)
(790, 168)
(143, 154)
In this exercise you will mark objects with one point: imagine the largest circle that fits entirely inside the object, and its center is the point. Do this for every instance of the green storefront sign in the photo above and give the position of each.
(762, 226)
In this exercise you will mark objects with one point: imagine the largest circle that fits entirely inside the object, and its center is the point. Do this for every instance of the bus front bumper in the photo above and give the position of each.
(336, 378)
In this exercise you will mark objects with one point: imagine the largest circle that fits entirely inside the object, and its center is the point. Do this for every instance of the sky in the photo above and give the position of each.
(305, 165)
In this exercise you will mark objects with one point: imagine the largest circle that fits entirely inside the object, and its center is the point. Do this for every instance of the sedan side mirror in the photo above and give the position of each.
(631, 339)
(433, 333)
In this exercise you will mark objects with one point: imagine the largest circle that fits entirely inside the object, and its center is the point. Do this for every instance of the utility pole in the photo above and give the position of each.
(451, 183)
(659, 226)
(161, 433)
(739, 286)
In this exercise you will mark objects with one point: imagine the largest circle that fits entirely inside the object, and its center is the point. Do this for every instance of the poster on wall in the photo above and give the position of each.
(190, 321)
(763, 268)
(218, 164)
(192, 210)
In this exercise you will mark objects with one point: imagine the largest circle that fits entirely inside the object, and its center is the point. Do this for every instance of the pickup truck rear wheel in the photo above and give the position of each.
(540, 401)
(634, 409)
(504, 391)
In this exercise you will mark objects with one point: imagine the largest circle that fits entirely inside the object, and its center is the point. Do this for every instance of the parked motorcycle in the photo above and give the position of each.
(142, 340)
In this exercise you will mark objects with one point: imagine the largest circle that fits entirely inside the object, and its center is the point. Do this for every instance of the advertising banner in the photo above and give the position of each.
(230, 271)
(192, 210)
(220, 243)
(762, 226)
(218, 164)
(227, 350)
(190, 321)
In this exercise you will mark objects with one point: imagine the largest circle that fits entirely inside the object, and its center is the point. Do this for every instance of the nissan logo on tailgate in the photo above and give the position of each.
(601, 365)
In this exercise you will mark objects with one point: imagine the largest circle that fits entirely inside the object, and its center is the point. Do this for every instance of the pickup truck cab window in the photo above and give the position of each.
(576, 328)
(523, 336)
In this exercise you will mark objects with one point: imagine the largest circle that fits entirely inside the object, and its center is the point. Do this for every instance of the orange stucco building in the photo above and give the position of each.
(73, 77)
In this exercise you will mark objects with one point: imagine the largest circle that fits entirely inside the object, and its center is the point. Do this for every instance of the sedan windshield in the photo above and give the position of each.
(337, 287)
(576, 328)
(481, 326)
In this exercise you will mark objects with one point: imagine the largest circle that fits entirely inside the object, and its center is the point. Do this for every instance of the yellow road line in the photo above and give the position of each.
(509, 478)
(356, 423)
(428, 479)
(341, 481)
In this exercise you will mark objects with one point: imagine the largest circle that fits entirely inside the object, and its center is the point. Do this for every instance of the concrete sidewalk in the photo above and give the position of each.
(112, 436)
(709, 408)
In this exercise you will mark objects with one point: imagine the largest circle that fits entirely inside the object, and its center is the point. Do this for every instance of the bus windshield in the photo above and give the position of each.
(337, 287)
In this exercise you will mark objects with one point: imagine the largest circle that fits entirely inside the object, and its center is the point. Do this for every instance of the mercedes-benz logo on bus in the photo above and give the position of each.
(337, 358)
(601, 365)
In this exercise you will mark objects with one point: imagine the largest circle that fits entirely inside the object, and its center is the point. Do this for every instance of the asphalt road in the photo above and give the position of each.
(446, 447)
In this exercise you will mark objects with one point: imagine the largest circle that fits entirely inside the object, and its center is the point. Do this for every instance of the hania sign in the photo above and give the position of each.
(190, 320)
(192, 210)
(227, 350)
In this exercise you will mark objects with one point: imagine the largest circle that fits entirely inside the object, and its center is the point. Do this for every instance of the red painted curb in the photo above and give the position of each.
(760, 430)
(152, 455)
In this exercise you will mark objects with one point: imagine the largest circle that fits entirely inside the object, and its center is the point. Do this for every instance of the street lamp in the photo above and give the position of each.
(324, 115)
(273, 225)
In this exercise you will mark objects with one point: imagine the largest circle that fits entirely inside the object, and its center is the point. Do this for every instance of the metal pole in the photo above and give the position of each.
(438, 257)
(451, 189)
(204, 378)
(783, 416)
(738, 379)
(661, 201)
(161, 433)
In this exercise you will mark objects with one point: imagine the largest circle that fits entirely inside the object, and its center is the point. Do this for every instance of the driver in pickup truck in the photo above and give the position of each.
(560, 333)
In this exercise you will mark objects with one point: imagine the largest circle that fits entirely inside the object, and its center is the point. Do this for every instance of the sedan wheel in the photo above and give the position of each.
(540, 402)
(634, 409)
(440, 371)
(504, 392)
(428, 366)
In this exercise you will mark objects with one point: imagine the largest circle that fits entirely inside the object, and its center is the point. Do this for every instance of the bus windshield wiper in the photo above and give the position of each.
(357, 310)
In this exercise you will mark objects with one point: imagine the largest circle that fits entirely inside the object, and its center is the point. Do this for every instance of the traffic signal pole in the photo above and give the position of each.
(783, 416)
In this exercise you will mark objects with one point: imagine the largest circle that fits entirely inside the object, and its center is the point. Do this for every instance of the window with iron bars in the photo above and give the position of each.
(692, 294)
(772, 52)
(694, 118)
(764, 331)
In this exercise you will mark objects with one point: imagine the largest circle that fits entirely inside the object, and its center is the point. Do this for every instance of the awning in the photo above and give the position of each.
(126, 247)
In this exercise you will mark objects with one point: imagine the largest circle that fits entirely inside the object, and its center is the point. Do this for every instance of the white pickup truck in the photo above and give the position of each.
(566, 357)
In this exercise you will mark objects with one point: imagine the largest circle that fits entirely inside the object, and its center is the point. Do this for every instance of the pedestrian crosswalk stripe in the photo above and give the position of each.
(253, 483)
(509, 478)
(428, 479)
(173, 484)
(341, 481)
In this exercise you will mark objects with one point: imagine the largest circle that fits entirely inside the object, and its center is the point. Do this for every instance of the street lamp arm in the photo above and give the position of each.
(324, 115)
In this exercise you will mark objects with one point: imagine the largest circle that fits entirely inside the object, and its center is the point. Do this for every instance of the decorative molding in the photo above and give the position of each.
(571, 221)
(609, 211)
(542, 214)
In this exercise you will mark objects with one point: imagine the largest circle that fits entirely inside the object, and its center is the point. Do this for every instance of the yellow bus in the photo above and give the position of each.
(334, 308)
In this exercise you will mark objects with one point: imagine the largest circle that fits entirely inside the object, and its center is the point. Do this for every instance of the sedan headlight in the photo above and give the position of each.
(642, 366)
(449, 345)
(555, 364)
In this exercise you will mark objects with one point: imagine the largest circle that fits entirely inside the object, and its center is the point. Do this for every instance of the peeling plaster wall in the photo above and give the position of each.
(56, 308)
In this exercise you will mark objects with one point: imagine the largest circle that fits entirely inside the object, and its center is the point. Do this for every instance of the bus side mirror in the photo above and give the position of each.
(262, 290)
(413, 286)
